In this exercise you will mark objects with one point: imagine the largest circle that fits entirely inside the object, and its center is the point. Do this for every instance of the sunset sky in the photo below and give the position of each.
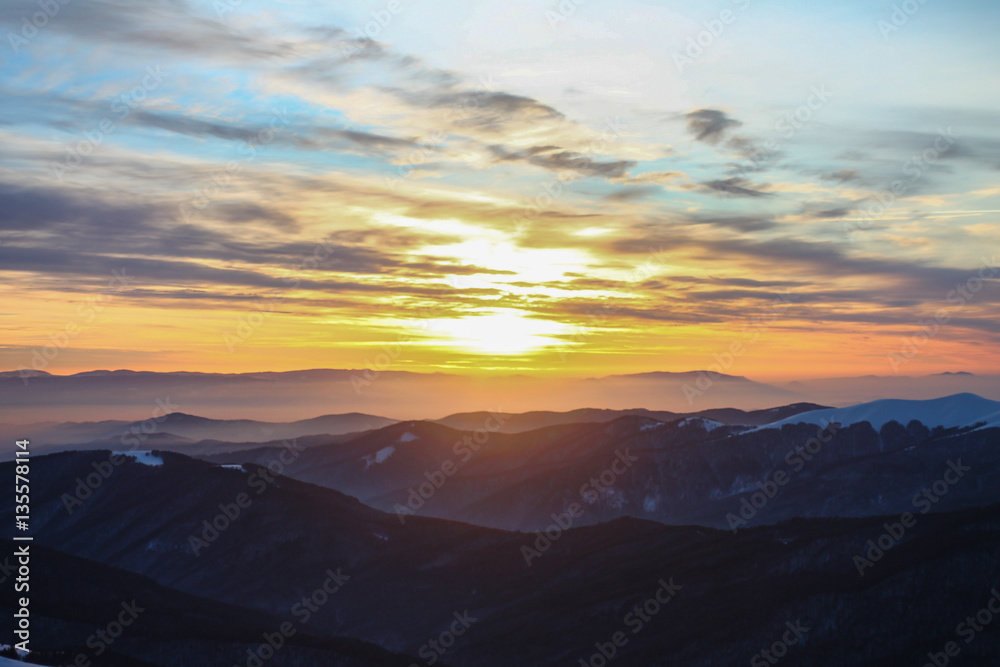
(522, 186)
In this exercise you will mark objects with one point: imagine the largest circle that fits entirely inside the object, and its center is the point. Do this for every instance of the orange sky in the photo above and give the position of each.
(567, 200)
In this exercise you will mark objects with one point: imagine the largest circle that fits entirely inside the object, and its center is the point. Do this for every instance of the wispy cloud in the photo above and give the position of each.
(397, 182)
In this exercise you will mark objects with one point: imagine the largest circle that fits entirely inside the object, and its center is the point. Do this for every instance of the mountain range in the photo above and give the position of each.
(689, 470)
(858, 535)
(192, 434)
(678, 595)
(400, 395)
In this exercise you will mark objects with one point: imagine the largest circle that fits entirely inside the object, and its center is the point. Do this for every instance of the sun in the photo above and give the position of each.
(501, 331)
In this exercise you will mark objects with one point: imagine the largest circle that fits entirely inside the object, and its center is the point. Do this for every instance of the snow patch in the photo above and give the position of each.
(707, 424)
(407, 437)
(615, 498)
(956, 410)
(145, 458)
(159, 546)
(379, 457)
(233, 466)
(7, 661)
(650, 427)
(741, 484)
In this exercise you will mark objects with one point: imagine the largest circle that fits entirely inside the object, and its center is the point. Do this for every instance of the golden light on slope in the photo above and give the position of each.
(500, 331)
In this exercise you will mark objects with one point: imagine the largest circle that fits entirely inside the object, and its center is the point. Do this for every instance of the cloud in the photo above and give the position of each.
(657, 177)
(555, 159)
(487, 111)
(842, 176)
(277, 131)
(72, 233)
(710, 125)
(831, 213)
(168, 25)
(743, 223)
(735, 186)
(739, 282)
(633, 193)
(341, 176)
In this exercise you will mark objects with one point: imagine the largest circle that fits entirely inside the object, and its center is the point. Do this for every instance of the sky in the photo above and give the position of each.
(576, 188)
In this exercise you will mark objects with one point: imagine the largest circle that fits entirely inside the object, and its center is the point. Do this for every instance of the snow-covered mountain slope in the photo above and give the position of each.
(955, 410)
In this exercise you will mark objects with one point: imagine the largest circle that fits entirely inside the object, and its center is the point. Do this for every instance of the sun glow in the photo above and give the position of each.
(501, 331)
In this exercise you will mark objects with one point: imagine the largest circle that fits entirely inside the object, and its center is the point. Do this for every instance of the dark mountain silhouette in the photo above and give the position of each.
(691, 470)
(76, 597)
(408, 580)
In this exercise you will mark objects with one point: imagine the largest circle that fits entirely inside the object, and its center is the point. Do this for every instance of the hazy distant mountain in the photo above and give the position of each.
(685, 392)
(249, 430)
(201, 436)
(528, 421)
(296, 395)
(299, 394)
(188, 433)
(407, 582)
(23, 373)
(853, 390)
(141, 395)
